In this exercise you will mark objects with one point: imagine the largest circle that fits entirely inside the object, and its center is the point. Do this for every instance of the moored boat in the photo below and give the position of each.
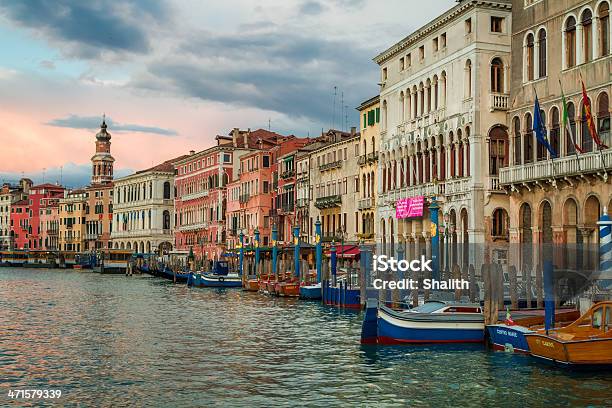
(433, 322)
(289, 288)
(210, 280)
(113, 261)
(311, 292)
(251, 285)
(587, 342)
(510, 334)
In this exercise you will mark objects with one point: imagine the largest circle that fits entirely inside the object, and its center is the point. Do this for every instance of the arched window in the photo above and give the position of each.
(586, 141)
(517, 140)
(571, 117)
(587, 35)
(542, 53)
(555, 130)
(530, 44)
(499, 224)
(497, 76)
(604, 29)
(498, 150)
(468, 79)
(570, 42)
(603, 118)
(166, 220)
(166, 190)
(428, 91)
(384, 113)
(528, 140)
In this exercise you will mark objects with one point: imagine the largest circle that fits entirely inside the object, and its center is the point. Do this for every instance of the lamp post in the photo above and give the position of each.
(296, 250)
(319, 249)
(256, 250)
(241, 261)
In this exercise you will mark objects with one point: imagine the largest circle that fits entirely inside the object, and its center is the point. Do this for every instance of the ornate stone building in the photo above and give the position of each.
(559, 201)
(443, 101)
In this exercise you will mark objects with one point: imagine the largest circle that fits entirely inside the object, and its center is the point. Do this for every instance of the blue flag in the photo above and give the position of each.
(540, 129)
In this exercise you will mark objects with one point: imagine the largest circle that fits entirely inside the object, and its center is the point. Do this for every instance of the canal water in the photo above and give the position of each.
(112, 340)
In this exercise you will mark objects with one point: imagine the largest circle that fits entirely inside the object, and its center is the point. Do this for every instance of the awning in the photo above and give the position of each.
(346, 251)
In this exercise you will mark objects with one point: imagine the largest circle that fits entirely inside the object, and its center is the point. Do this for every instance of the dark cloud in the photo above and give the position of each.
(280, 71)
(89, 28)
(93, 122)
(311, 8)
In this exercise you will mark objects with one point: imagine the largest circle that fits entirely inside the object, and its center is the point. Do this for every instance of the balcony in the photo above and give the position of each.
(302, 202)
(328, 202)
(244, 198)
(302, 177)
(456, 186)
(366, 203)
(499, 101)
(286, 208)
(287, 174)
(494, 184)
(194, 227)
(372, 157)
(193, 196)
(362, 160)
(549, 171)
(333, 165)
(426, 190)
(92, 237)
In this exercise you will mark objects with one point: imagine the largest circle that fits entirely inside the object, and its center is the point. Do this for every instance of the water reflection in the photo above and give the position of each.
(111, 340)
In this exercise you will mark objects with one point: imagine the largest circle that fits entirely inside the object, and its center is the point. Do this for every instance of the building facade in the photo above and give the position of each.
(143, 210)
(10, 194)
(72, 222)
(369, 114)
(559, 200)
(334, 177)
(41, 198)
(444, 96)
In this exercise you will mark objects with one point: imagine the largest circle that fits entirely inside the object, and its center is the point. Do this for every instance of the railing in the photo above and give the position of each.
(328, 202)
(244, 198)
(494, 184)
(285, 208)
(427, 190)
(193, 196)
(287, 174)
(302, 202)
(456, 186)
(91, 237)
(140, 233)
(557, 168)
(333, 165)
(372, 157)
(361, 160)
(302, 177)
(192, 227)
(365, 203)
(499, 101)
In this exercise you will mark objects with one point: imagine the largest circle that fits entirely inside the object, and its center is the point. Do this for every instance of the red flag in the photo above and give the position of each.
(589, 118)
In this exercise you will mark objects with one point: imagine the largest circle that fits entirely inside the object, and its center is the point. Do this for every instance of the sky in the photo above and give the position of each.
(170, 75)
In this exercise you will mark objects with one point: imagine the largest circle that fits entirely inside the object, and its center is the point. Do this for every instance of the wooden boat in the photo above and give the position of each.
(289, 288)
(433, 322)
(311, 292)
(510, 335)
(587, 342)
(251, 285)
(210, 280)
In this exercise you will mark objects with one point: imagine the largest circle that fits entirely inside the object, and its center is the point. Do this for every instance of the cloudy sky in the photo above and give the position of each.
(170, 74)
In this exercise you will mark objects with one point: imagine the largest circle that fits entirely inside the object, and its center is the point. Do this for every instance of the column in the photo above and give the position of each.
(579, 42)
(536, 58)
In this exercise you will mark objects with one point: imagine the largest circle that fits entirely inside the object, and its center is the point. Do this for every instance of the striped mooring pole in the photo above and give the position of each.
(605, 241)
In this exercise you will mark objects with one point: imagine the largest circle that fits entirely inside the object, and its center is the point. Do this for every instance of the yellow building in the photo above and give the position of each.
(369, 114)
(72, 210)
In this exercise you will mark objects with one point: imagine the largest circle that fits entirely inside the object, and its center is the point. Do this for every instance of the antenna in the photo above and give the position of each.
(346, 118)
(342, 109)
(334, 107)
(269, 124)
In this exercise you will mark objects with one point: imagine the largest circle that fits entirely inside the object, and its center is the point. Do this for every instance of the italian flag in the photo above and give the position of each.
(566, 124)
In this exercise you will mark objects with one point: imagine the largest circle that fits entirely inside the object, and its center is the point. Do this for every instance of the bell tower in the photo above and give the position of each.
(102, 161)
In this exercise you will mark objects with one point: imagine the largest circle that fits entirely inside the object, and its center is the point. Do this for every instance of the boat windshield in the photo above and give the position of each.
(428, 307)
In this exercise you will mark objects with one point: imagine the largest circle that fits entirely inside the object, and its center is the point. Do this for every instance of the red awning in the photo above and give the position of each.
(346, 251)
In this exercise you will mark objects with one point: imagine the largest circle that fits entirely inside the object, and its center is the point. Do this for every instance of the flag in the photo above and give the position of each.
(540, 129)
(508, 320)
(589, 118)
(566, 124)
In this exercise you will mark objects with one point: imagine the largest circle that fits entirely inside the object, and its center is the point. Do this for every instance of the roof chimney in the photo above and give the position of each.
(191, 152)
(353, 130)
(235, 133)
(246, 138)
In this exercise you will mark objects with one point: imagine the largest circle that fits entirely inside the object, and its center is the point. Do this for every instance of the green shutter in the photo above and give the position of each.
(365, 123)
(377, 115)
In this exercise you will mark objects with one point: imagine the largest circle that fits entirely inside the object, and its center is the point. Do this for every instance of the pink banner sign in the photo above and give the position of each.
(409, 207)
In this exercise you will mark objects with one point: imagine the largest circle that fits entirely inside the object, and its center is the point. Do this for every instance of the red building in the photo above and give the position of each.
(20, 224)
(201, 190)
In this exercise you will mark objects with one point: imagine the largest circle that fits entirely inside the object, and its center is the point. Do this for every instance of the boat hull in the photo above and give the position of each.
(311, 292)
(213, 281)
(508, 338)
(251, 285)
(596, 352)
(286, 289)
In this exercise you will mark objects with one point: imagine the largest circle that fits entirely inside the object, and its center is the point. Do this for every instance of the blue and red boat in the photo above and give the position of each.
(433, 322)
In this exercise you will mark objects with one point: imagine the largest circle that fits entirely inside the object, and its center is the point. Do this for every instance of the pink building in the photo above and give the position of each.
(41, 197)
(201, 190)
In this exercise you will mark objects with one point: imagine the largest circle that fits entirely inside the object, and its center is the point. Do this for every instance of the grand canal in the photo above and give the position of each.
(111, 340)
